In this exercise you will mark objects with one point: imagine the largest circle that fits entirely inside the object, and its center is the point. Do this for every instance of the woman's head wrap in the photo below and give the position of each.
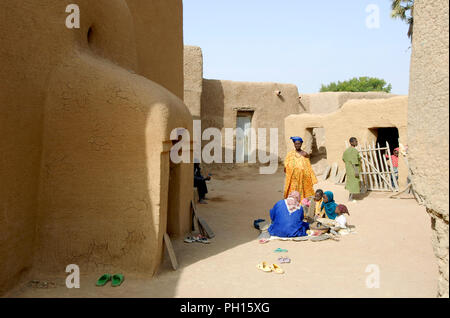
(343, 209)
(330, 206)
(293, 201)
(294, 139)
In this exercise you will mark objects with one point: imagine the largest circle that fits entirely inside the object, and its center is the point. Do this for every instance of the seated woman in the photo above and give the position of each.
(327, 214)
(287, 217)
(329, 206)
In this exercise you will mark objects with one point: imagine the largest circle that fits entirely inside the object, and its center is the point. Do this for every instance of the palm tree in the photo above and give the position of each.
(404, 10)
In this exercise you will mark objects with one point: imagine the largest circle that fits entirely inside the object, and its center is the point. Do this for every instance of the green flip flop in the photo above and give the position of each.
(117, 280)
(103, 280)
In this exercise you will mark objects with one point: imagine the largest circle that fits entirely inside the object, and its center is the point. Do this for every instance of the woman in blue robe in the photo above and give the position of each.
(287, 218)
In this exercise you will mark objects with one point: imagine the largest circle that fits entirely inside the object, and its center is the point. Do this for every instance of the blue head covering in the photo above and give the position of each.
(294, 139)
(330, 206)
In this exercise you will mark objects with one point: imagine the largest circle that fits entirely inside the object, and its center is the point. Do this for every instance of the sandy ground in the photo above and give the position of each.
(391, 234)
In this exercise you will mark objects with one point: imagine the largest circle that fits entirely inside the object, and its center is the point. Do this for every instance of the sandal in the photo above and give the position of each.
(189, 239)
(103, 280)
(301, 238)
(264, 267)
(202, 239)
(280, 250)
(117, 280)
(320, 238)
(284, 260)
(277, 269)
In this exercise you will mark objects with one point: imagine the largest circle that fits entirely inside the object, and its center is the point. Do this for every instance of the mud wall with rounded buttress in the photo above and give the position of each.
(86, 116)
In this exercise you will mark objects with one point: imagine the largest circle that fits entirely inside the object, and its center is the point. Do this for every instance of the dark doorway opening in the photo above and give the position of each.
(315, 145)
(318, 150)
(389, 135)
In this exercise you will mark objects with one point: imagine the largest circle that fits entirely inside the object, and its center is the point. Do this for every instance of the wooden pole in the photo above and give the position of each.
(366, 160)
(363, 177)
(396, 195)
(386, 165)
(375, 155)
(380, 165)
(170, 250)
(375, 176)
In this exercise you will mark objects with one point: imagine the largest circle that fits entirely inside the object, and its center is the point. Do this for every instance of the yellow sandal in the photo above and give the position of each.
(277, 269)
(264, 267)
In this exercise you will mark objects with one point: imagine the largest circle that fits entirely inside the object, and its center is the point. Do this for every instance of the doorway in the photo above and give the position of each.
(386, 135)
(243, 135)
(315, 146)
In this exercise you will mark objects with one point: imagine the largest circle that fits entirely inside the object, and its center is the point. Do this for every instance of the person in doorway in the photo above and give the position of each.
(300, 176)
(394, 159)
(352, 162)
(287, 217)
(200, 183)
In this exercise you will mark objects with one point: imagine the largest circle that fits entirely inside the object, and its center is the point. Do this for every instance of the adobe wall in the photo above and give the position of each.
(428, 122)
(352, 120)
(193, 79)
(328, 102)
(221, 100)
(85, 154)
(158, 27)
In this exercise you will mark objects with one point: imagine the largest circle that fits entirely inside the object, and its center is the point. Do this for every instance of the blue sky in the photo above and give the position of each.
(302, 42)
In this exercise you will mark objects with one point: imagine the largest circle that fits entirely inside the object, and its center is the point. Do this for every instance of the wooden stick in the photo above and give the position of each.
(388, 170)
(368, 168)
(395, 195)
(380, 166)
(361, 178)
(376, 164)
(375, 176)
(371, 181)
(173, 258)
(385, 165)
(341, 180)
(327, 172)
(380, 162)
(195, 217)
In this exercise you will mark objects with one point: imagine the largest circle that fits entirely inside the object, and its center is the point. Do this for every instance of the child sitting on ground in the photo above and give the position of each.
(340, 223)
(341, 219)
(312, 207)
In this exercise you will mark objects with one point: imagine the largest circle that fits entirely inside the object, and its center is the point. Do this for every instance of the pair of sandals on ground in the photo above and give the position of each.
(270, 268)
(275, 267)
(197, 238)
(116, 280)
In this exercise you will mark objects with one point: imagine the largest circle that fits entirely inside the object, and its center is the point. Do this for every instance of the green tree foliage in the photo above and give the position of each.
(361, 84)
(404, 10)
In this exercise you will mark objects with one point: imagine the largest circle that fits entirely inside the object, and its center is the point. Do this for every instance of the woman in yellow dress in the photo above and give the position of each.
(299, 173)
